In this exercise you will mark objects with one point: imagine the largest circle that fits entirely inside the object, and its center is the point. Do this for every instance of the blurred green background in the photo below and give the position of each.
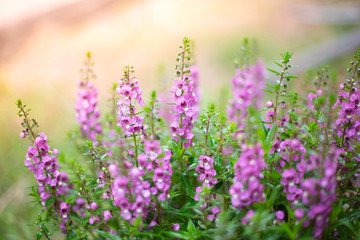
(42, 45)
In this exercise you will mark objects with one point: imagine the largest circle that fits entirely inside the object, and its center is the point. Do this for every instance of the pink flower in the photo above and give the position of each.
(176, 227)
(185, 100)
(280, 215)
(88, 114)
(246, 87)
(130, 93)
(93, 206)
(107, 215)
(248, 216)
(299, 213)
(247, 189)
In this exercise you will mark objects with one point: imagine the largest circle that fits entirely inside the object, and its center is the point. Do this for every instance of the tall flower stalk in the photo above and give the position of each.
(130, 93)
(88, 113)
(42, 160)
(184, 98)
(246, 86)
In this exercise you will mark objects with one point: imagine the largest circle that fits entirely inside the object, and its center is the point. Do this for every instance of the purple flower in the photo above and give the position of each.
(43, 162)
(247, 189)
(88, 114)
(162, 176)
(347, 124)
(93, 206)
(176, 227)
(185, 100)
(130, 93)
(215, 211)
(107, 215)
(246, 87)
(319, 193)
(248, 216)
(280, 215)
(299, 213)
(206, 173)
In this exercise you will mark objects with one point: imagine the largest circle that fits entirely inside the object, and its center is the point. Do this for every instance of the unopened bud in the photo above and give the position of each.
(269, 104)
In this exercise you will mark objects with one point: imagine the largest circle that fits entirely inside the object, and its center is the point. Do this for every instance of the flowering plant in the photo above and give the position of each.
(204, 174)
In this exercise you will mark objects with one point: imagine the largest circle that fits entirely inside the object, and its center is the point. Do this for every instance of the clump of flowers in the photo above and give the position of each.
(162, 176)
(130, 92)
(132, 194)
(347, 125)
(88, 113)
(206, 173)
(246, 86)
(319, 193)
(184, 99)
(42, 160)
(293, 175)
(161, 167)
(247, 188)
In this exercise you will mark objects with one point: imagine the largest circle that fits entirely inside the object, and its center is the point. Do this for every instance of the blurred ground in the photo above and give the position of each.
(42, 44)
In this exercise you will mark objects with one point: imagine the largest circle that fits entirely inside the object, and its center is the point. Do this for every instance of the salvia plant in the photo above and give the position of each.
(273, 165)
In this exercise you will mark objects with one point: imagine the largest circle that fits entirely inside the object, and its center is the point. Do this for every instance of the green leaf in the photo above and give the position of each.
(286, 228)
(188, 205)
(349, 218)
(269, 138)
(268, 91)
(279, 64)
(191, 173)
(270, 86)
(39, 235)
(108, 235)
(273, 71)
(150, 234)
(273, 196)
(217, 163)
(191, 227)
(179, 234)
(49, 201)
(277, 87)
(137, 222)
(188, 186)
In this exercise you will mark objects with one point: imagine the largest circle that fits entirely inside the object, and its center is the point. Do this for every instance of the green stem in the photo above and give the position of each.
(225, 198)
(277, 94)
(158, 209)
(290, 156)
(136, 150)
(206, 135)
(182, 62)
(204, 218)
(44, 232)
(152, 117)
(181, 147)
(221, 140)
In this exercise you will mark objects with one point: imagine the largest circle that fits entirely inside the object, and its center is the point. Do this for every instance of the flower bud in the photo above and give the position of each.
(22, 134)
(176, 227)
(269, 104)
(93, 206)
